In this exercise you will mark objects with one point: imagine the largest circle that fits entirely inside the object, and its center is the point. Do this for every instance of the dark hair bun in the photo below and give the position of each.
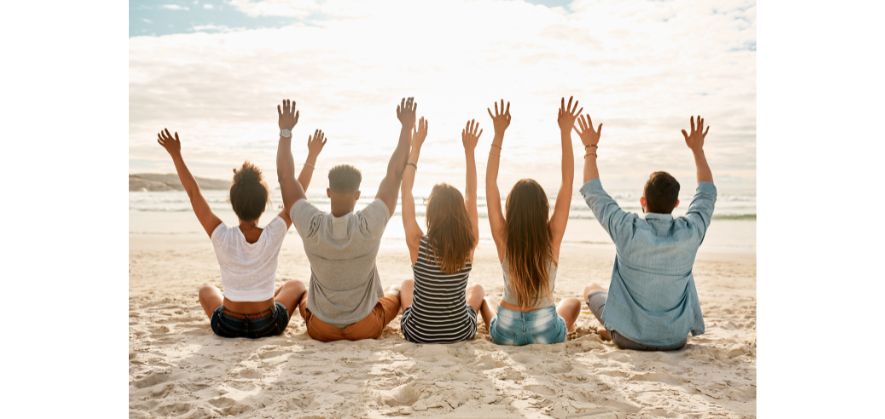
(248, 193)
(248, 173)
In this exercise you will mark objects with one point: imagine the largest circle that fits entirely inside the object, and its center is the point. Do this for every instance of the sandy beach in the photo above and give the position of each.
(178, 367)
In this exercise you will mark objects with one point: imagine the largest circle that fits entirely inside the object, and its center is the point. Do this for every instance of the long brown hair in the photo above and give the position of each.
(448, 228)
(529, 250)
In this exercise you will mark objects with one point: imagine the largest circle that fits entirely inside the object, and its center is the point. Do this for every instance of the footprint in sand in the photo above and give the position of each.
(300, 401)
(151, 380)
(159, 330)
(162, 391)
(541, 390)
(510, 374)
(228, 406)
(174, 409)
(404, 395)
(272, 352)
(247, 373)
(557, 367)
(487, 362)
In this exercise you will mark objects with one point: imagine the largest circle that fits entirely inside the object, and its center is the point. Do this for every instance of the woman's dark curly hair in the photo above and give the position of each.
(249, 193)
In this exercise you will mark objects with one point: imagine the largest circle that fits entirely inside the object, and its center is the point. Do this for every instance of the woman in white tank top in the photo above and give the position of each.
(246, 253)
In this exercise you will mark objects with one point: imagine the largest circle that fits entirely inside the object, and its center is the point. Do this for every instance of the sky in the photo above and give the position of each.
(215, 70)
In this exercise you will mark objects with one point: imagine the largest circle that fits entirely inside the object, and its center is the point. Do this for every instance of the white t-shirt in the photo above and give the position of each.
(344, 283)
(248, 270)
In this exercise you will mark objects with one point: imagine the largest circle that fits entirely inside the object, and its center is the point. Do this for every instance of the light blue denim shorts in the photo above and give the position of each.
(519, 328)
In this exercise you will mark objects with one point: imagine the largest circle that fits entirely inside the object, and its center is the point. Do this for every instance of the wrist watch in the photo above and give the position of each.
(286, 133)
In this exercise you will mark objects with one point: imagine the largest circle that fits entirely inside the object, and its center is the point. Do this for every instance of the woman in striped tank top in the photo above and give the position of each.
(438, 307)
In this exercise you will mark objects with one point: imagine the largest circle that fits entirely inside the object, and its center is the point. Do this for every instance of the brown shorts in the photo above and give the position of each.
(370, 327)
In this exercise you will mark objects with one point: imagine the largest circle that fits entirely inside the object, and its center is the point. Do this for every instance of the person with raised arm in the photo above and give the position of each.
(652, 303)
(528, 244)
(247, 254)
(345, 300)
(438, 306)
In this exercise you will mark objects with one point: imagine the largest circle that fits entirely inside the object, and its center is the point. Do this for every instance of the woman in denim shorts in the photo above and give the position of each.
(528, 244)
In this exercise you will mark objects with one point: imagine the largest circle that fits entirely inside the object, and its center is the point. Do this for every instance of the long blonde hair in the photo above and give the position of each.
(529, 249)
(448, 228)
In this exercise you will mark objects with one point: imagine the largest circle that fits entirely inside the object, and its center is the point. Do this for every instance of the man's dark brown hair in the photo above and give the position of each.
(345, 178)
(661, 193)
(249, 192)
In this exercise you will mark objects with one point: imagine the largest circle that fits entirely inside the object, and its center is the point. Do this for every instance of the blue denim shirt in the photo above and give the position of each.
(652, 297)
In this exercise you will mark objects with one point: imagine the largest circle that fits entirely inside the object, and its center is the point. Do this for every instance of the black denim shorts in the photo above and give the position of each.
(272, 324)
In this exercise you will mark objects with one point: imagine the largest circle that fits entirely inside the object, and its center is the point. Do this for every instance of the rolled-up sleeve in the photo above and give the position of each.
(700, 212)
(617, 222)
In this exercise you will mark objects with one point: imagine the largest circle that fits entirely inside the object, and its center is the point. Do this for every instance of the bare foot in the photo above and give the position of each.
(603, 333)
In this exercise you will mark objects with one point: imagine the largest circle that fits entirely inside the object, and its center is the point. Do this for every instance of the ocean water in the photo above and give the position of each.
(166, 217)
(728, 207)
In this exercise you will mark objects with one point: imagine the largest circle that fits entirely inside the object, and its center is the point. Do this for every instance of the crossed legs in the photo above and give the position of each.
(569, 309)
(475, 299)
(596, 309)
(288, 294)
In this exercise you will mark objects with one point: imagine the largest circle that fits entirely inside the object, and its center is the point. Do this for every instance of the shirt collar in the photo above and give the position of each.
(657, 216)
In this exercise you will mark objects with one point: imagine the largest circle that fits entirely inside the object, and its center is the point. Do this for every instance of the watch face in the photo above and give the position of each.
(286, 133)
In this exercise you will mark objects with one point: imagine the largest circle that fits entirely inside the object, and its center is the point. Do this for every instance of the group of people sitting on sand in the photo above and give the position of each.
(651, 303)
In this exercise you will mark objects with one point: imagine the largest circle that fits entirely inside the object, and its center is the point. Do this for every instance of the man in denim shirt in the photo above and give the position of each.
(652, 303)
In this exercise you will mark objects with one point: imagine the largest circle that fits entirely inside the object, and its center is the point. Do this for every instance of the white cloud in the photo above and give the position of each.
(175, 7)
(287, 8)
(640, 67)
(211, 28)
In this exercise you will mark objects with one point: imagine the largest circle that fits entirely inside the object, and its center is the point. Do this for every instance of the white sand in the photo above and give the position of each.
(178, 367)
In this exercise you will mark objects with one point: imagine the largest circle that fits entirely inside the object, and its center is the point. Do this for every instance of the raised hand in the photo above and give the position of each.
(695, 139)
(589, 137)
(470, 135)
(419, 134)
(501, 118)
(405, 112)
(567, 114)
(170, 143)
(315, 143)
(288, 115)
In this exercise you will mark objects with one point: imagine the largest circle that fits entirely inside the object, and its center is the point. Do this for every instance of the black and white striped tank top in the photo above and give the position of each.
(439, 312)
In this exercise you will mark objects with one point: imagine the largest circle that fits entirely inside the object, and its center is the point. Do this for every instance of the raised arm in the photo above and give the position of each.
(500, 120)
(559, 219)
(315, 145)
(389, 188)
(700, 211)
(590, 139)
(410, 224)
(201, 208)
(469, 138)
(617, 222)
(695, 142)
(290, 188)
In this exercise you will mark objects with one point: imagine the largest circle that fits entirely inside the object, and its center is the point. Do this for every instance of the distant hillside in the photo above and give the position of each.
(152, 182)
